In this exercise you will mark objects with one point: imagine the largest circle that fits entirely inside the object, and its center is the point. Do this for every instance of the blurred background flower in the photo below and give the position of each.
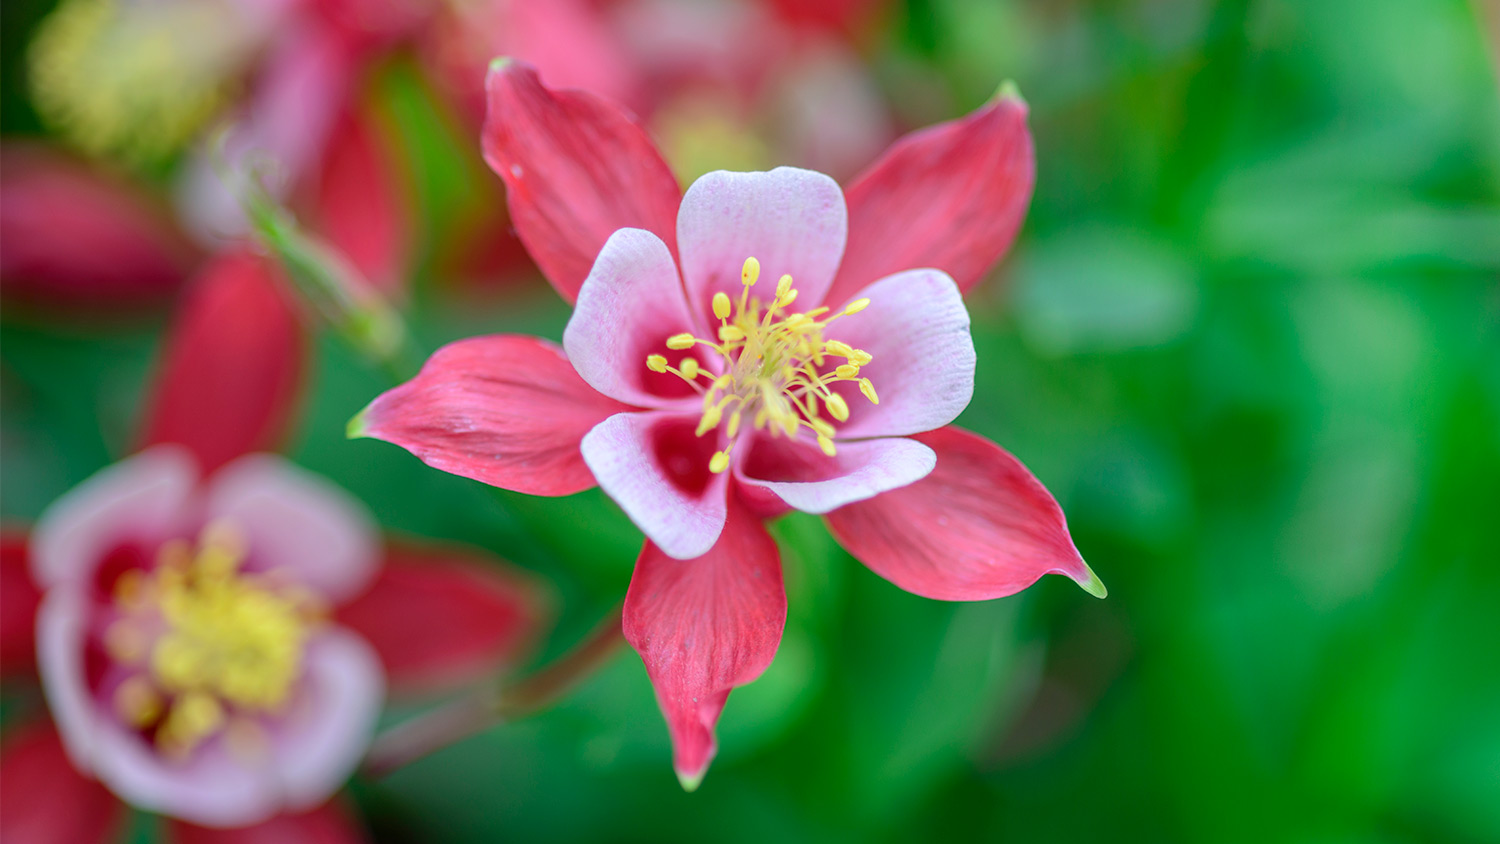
(1248, 337)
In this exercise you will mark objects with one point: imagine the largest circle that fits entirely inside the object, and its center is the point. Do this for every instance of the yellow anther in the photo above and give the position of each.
(776, 373)
(837, 407)
(711, 416)
(194, 717)
(719, 462)
(138, 702)
(869, 390)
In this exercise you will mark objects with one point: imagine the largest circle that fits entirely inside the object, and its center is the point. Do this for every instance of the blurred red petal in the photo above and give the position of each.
(362, 204)
(980, 526)
(76, 238)
(703, 627)
(232, 365)
(18, 602)
(46, 800)
(506, 410)
(951, 196)
(576, 168)
(331, 823)
(441, 617)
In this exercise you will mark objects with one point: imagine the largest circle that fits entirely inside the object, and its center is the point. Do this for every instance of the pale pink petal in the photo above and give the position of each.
(917, 329)
(140, 499)
(61, 636)
(979, 527)
(297, 521)
(656, 469)
(212, 788)
(801, 475)
(324, 735)
(792, 221)
(704, 626)
(628, 306)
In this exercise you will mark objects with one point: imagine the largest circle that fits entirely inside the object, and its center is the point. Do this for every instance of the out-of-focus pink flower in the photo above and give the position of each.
(76, 237)
(183, 639)
(706, 400)
(213, 645)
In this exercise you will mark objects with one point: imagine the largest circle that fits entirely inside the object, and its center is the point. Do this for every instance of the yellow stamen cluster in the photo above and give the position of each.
(136, 80)
(214, 648)
(776, 366)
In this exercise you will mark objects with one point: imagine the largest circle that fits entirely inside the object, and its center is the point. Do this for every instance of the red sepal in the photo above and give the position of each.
(576, 169)
(233, 361)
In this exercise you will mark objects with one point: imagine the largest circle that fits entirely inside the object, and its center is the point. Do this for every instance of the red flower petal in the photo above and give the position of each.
(951, 196)
(329, 824)
(76, 238)
(232, 365)
(440, 617)
(46, 800)
(576, 169)
(980, 526)
(18, 602)
(506, 410)
(704, 626)
(362, 207)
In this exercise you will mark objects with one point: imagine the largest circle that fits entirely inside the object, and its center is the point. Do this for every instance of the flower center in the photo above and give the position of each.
(777, 367)
(214, 648)
(135, 80)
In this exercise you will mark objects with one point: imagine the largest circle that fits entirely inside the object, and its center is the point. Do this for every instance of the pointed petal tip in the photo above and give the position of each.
(691, 781)
(499, 63)
(359, 425)
(1093, 585)
(1009, 90)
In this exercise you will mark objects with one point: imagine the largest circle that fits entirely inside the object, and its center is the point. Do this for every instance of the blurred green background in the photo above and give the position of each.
(1249, 337)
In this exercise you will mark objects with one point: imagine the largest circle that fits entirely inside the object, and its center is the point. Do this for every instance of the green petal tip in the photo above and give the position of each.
(1094, 586)
(1008, 90)
(358, 426)
(500, 63)
(690, 783)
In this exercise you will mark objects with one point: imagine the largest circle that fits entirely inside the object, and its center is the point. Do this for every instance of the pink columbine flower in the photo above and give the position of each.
(185, 642)
(767, 341)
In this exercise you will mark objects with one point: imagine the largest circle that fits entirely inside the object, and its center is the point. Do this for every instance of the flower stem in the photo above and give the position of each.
(493, 703)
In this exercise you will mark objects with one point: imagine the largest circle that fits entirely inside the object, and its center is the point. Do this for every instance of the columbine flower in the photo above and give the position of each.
(185, 643)
(213, 648)
(798, 360)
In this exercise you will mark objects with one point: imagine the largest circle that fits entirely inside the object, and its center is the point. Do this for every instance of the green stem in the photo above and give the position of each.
(493, 704)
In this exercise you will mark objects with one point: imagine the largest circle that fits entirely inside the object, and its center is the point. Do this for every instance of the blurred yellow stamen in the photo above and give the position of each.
(133, 80)
(229, 642)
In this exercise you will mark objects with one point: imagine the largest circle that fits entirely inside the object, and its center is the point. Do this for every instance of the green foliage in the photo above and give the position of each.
(1250, 338)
